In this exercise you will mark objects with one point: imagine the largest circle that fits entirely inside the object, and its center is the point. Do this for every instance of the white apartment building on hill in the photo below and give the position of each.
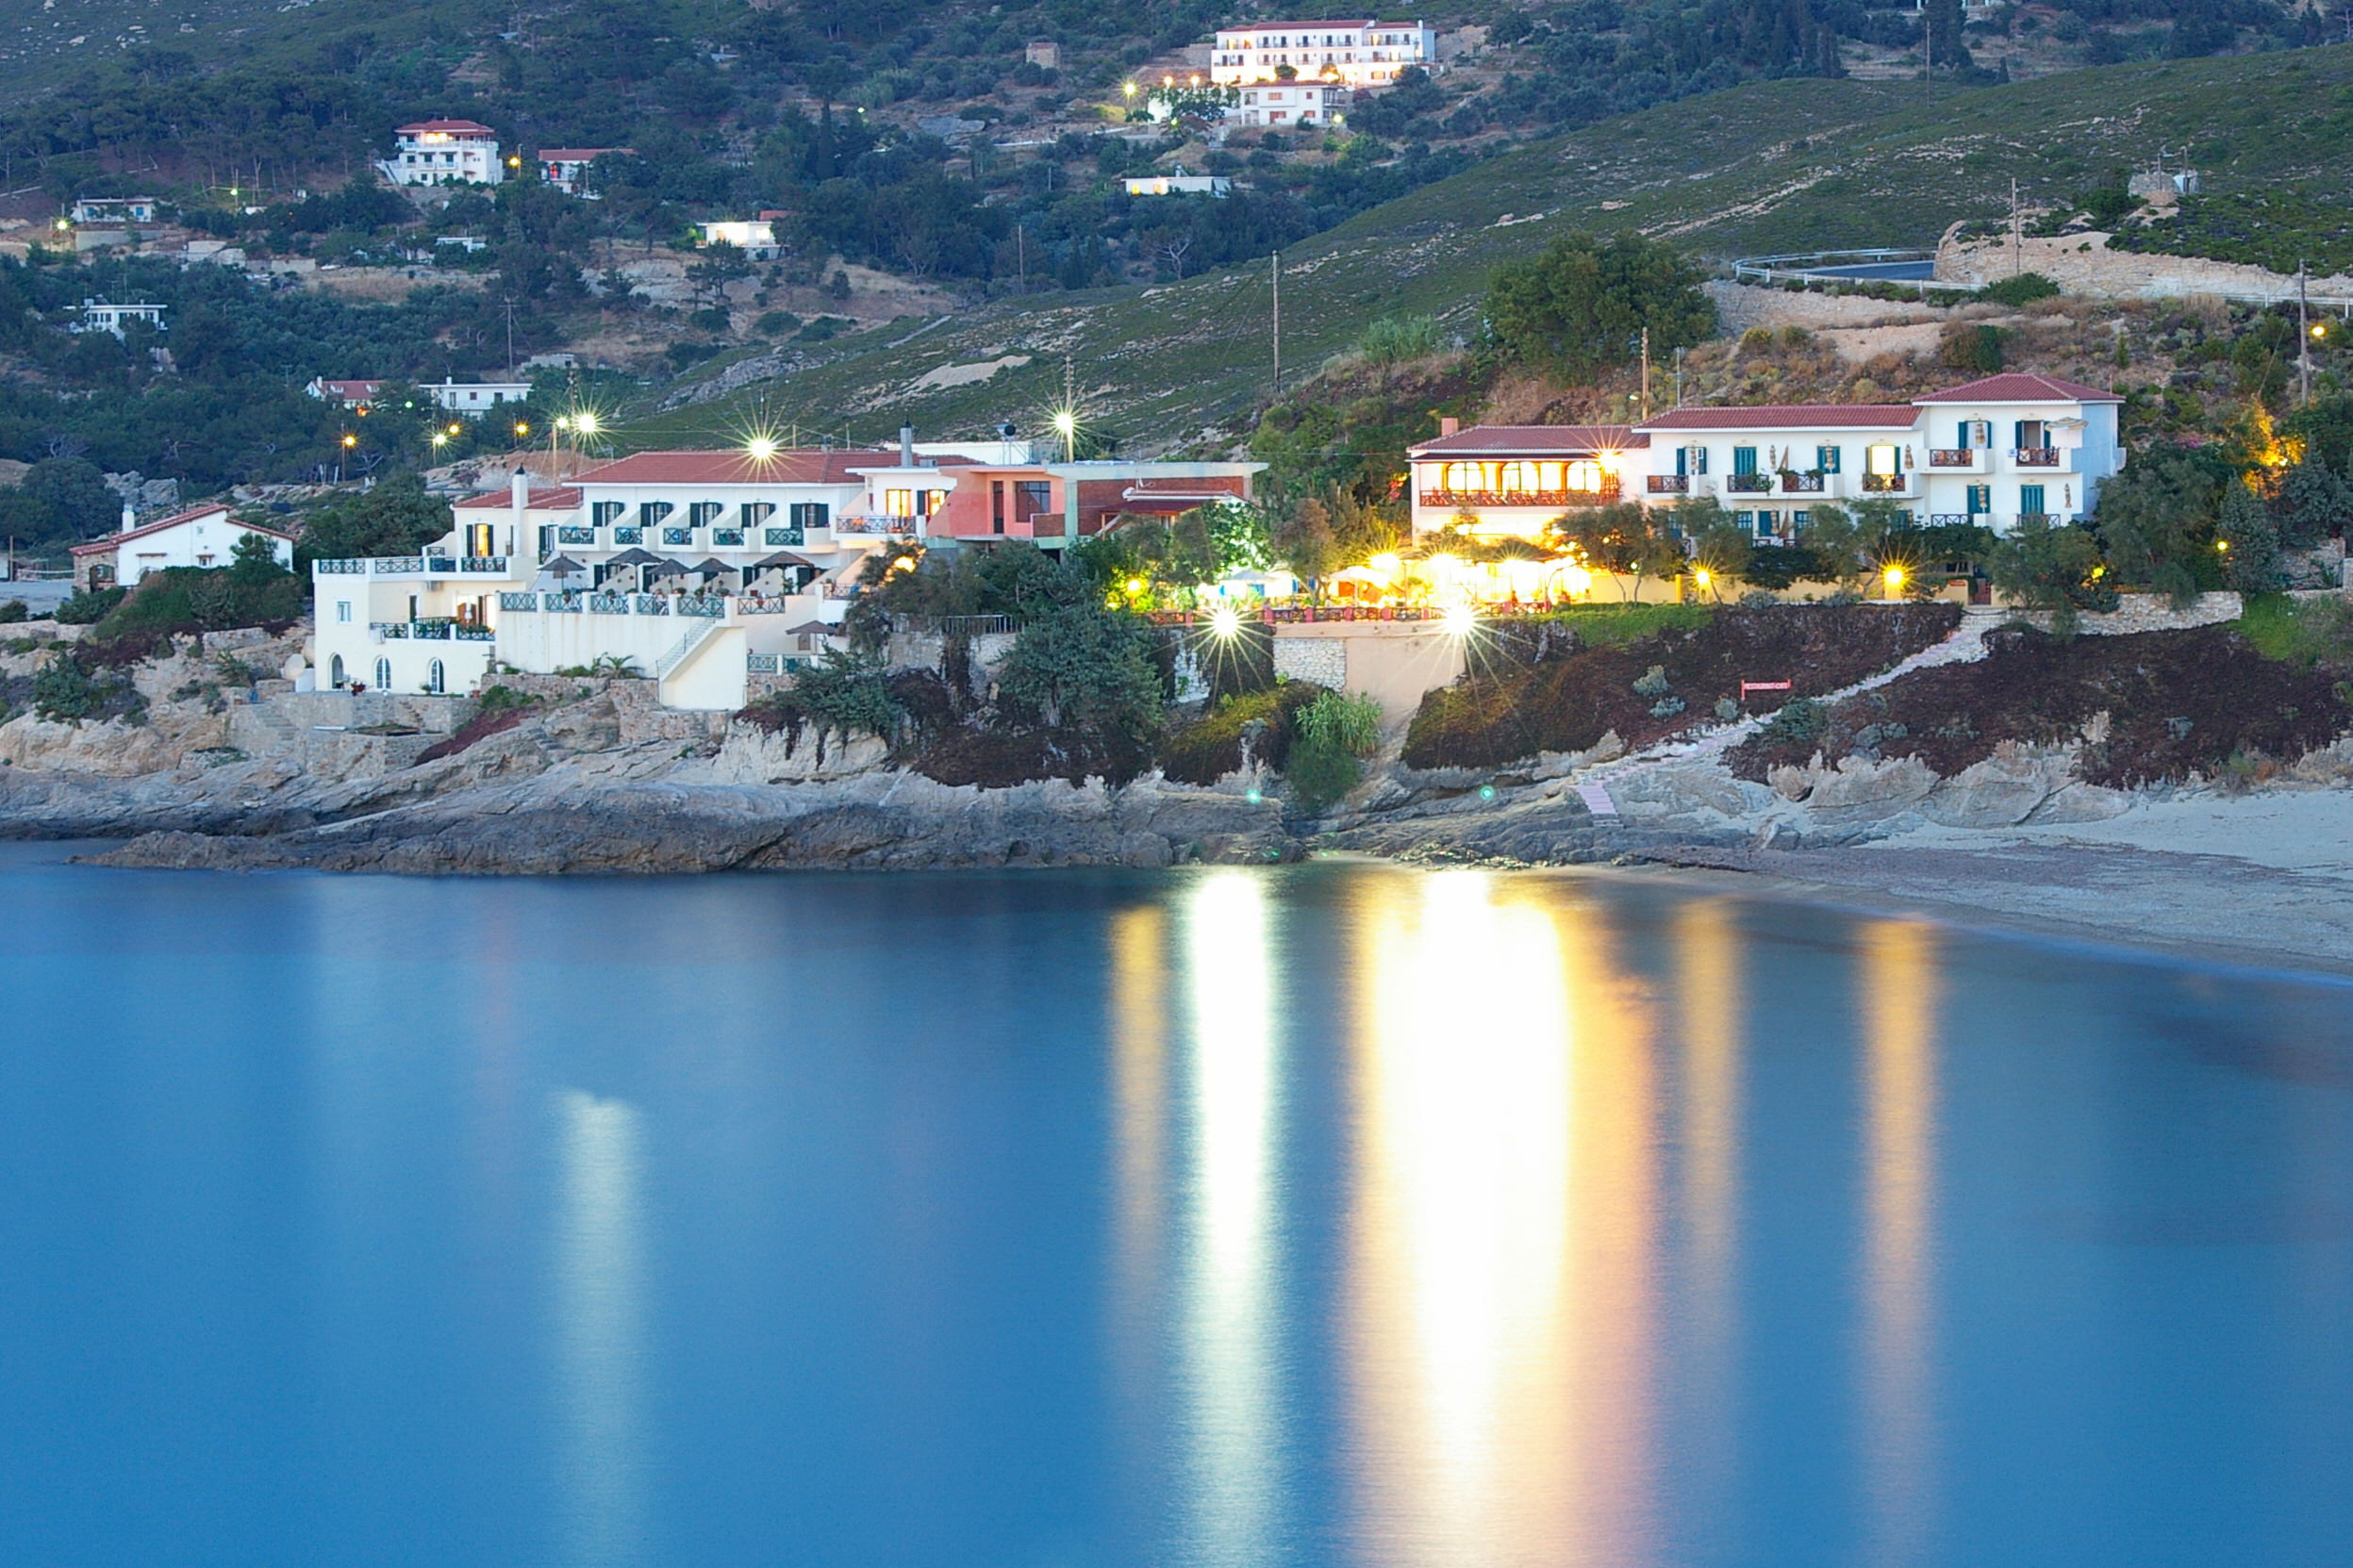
(1987, 452)
(444, 152)
(1356, 53)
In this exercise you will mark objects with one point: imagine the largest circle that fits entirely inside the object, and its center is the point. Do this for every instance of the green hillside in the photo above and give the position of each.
(1772, 166)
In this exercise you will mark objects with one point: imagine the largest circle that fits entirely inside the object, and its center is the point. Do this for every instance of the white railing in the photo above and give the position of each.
(683, 648)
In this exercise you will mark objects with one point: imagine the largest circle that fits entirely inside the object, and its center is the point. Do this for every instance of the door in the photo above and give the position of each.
(2030, 501)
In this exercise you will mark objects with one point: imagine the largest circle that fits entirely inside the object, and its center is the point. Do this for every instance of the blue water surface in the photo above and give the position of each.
(1334, 1214)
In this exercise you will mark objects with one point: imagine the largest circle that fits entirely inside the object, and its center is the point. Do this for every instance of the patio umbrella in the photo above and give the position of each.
(711, 566)
(634, 557)
(785, 558)
(667, 569)
(563, 565)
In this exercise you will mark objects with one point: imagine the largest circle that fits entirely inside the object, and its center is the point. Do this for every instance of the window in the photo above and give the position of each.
(1744, 459)
(435, 679)
(1882, 459)
(652, 512)
(1747, 522)
(606, 511)
(1977, 432)
(1798, 520)
(812, 514)
(1826, 458)
(335, 672)
(1691, 459)
(1036, 495)
(2031, 503)
(703, 512)
(344, 610)
(1981, 499)
(757, 512)
(1517, 479)
(2031, 435)
(384, 675)
(1586, 476)
(1461, 478)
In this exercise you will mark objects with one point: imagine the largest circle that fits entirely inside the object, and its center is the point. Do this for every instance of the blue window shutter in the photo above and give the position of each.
(2031, 500)
(1744, 459)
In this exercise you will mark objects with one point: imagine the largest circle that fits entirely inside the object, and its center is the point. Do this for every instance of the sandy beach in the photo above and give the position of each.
(2264, 879)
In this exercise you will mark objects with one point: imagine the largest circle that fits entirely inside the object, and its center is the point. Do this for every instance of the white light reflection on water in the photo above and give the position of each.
(1502, 1237)
(1228, 1397)
(599, 1332)
(1898, 1439)
(1711, 1004)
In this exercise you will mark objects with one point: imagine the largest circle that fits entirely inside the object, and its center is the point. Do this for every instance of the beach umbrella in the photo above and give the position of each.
(785, 558)
(667, 569)
(634, 557)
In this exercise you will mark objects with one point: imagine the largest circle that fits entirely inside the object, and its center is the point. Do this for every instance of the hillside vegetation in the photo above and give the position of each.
(1773, 166)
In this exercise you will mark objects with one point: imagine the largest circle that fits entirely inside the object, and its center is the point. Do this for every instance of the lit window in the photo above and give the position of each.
(899, 503)
(1585, 475)
(1882, 459)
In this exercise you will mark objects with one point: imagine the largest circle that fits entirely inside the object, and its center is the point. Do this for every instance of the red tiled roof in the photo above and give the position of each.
(1532, 440)
(351, 388)
(455, 127)
(1306, 26)
(2021, 386)
(733, 467)
(580, 155)
(1791, 415)
(100, 547)
(559, 499)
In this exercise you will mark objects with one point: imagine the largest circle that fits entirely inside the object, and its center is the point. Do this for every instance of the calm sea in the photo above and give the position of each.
(1335, 1214)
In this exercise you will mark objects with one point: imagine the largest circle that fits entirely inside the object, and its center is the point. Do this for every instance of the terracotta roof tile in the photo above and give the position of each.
(803, 466)
(99, 547)
(1532, 440)
(559, 499)
(1790, 416)
(2021, 386)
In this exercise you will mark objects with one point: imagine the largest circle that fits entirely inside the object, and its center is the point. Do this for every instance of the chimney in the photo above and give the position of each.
(1448, 426)
(130, 515)
(907, 446)
(519, 501)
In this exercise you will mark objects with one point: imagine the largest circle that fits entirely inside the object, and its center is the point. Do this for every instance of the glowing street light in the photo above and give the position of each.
(522, 427)
(586, 422)
(761, 449)
(350, 440)
(1136, 585)
(1225, 623)
(1701, 577)
(1067, 426)
(1893, 580)
(1459, 620)
(1128, 89)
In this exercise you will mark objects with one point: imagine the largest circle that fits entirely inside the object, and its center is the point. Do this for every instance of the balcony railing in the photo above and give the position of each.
(709, 607)
(629, 534)
(1952, 458)
(1669, 484)
(873, 525)
(2035, 458)
(1749, 484)
(1801, 484)
(651, 604)
(777, 537)
(340, 568)
(608, 603)
(678, 536)
(466, 630)
(726, 539)
(572, 533)
(1886, 483)
(518, 600)
(1555, 499)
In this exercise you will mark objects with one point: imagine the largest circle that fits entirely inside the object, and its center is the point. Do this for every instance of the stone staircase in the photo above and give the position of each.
(684, 648)
(1965, 645)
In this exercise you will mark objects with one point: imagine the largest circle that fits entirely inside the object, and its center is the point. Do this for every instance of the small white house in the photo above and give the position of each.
(755, 237)
(474, 398)
(98, 316)
(199, 537)
(444, 152)
(114, 211)
(1179, 185)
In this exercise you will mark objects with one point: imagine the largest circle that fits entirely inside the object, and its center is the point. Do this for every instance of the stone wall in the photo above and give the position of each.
(2147, 612)
(1322, 660)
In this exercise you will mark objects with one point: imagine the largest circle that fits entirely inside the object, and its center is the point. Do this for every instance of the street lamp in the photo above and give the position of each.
(1893, 578)
(761, 449)
(1067, 426)
(1225, 623)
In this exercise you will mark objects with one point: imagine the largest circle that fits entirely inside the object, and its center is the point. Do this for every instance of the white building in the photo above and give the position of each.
(474, 398)
(114, 211)
(199, 537)
(1281, 104)
(344, 393)
(98, 316)
(756, 238)
(1987, 452)
(1179, 185)
(444, 152)
(565, 168)
(1357, 53)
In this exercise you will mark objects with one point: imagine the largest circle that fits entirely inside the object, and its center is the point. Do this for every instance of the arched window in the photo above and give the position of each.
(435, 680)
(384, 675)
(1461, 478)
(1517, 479)
(335, 674)
(1585, 476)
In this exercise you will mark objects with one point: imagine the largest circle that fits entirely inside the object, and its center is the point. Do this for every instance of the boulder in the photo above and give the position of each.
(2000, 792)
(1861, 791)
(2082, 803)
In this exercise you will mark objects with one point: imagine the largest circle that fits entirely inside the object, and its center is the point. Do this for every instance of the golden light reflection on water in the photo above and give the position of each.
(1501, 1314)
(1226, 1341)
(1898, 982)
(1140, 1088)
(599, 1330)
(1710, 1007)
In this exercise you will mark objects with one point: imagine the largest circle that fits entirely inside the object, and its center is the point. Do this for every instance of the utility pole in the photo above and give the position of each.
(1678, 378)
(2303, 342)
(2018, 244)
(1646, 373)
(1278, 324)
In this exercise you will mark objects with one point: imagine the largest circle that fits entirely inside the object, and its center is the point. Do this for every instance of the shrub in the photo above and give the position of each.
(2025, 288)
(61, 692)
(848, 693)
(499, 699)
(1086, 667)
(1210, 748)
(1799, 723)
(88, 606)
(14, 611)
(1394, 340)
(1335, 734)
(1971, 347)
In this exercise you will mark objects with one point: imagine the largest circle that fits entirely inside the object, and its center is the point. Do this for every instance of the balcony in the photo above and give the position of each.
(573, 533)
(1749, 484)
(778, 538)
(1801, 484)
(1952, 458)
(2035, 456)
(674, 537)
(1550, 499)
(414, 566)
(1671, 484)
(1886, 483)
(629, 534)
(886, 527)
